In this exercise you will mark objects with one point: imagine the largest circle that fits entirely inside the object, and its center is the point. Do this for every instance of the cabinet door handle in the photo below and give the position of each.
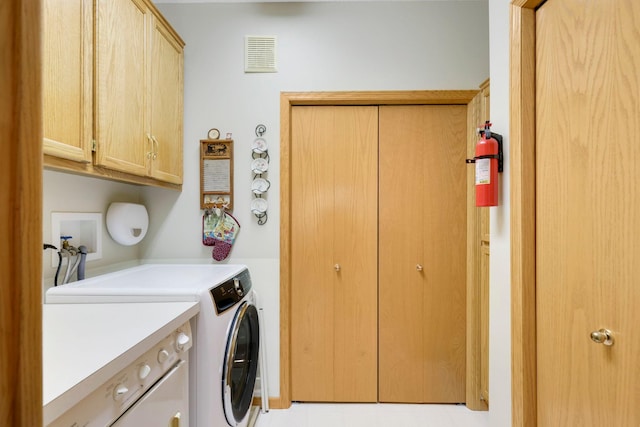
(419, 267)
(336, 267)
(150, 139)
(155, 152)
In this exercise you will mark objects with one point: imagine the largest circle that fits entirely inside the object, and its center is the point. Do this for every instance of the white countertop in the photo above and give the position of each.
(147, 282)
(84, 345)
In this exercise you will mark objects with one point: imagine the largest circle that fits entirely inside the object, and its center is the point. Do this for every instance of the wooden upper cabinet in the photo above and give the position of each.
(67, 79)
(166, 104)
(122, 121)
(139, 91)
(137, 119)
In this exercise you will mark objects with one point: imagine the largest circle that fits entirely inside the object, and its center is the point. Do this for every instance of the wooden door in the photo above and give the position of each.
(334, 218)
(122, 137)
(587, 212)
(422, 254)
(166, 106)
(67, 79)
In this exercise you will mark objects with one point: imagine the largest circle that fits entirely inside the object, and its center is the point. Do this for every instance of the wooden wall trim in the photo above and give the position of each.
(158, 15)
(274, 402)
(527, 4)
(485, 85)
(21, 214)
(522, 183)
(473, 379)
(433, 97)
(287, 100)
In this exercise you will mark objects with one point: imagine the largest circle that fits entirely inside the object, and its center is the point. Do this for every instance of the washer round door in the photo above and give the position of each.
(241, 364)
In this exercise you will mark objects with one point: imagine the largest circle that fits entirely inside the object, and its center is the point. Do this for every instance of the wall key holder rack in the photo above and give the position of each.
(216, 172)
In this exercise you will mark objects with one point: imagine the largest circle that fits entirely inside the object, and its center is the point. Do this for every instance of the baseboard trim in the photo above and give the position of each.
(274, 403)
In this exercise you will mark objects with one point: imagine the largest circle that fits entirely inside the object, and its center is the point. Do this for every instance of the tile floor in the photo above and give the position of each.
(372, 415)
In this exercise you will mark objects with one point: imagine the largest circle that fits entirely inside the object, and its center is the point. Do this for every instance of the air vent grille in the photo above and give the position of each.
(260, 54)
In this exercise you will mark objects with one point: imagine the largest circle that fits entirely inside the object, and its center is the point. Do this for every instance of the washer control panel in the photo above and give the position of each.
(113, 398)
(229, 293)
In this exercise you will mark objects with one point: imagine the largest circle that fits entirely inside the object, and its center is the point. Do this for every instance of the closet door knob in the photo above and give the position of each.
(419, 267)
(336, 267)
(603, 336)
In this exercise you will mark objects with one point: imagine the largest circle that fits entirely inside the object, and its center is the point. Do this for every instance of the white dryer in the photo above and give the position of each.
(225, 355)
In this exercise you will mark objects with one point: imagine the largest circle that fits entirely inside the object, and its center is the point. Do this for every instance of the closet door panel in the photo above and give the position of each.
(356, 249)
(312, 244)
(402, 284)
(334, 256)
(422, 302)
(445, 254)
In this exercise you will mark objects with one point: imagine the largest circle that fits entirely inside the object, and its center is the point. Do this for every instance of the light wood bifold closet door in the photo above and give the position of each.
(422, 253)
(378, 253)
(334, 253)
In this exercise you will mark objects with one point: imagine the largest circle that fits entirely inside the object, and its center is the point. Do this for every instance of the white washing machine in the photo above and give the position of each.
(225, 354)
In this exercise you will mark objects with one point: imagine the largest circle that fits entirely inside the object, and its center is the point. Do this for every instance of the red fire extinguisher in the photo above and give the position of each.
(488, 162)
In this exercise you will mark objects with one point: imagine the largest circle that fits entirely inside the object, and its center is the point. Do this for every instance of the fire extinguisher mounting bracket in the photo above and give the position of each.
(498, 138)
(499, 156)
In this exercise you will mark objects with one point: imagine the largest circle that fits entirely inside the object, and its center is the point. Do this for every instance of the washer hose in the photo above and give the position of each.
(83, 257)
(49, 246)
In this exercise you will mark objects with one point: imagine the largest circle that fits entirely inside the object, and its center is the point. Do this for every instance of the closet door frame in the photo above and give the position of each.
(287, 101)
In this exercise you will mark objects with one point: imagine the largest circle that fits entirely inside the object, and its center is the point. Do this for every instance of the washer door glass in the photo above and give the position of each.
(241, 363)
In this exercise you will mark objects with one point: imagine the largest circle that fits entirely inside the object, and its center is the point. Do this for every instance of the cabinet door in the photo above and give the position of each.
(166, 105)
(67, 79)
(422, 254)
(122, 138)
(334, 254)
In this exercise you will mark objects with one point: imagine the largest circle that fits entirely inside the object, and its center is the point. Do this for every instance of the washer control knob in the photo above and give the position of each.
(119, 391)
(163, 355)
(144, 371)
(182, 340)
(238, 286)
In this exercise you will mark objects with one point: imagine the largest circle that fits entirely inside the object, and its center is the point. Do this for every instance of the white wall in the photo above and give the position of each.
(64, 192)
(500, 267)
(321, 47)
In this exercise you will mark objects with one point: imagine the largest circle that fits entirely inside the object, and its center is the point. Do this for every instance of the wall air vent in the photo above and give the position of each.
(260, 54)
